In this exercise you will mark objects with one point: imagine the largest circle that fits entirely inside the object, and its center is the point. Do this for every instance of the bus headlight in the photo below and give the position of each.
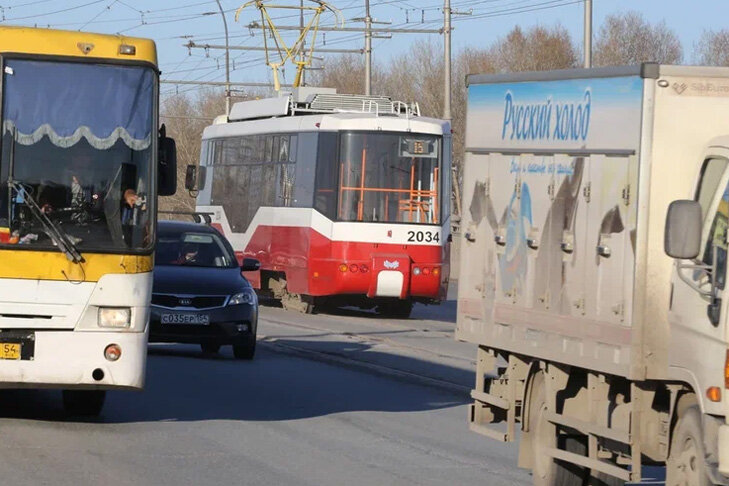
(115, 317)
(248, 296)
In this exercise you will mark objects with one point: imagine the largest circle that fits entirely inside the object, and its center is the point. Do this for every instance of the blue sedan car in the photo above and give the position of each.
(199, 294)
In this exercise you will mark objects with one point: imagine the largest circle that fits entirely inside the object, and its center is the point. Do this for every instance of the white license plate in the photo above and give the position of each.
(202, 319)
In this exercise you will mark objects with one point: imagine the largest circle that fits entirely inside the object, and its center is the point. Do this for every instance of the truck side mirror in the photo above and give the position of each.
(167, 167)
(682, 239)
(250, 265)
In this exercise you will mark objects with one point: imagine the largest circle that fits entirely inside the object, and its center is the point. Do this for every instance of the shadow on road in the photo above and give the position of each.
(443, 312)
(185, 385)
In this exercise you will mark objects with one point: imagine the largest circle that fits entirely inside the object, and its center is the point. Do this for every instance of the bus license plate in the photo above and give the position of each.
(201, 319)
(10, 351)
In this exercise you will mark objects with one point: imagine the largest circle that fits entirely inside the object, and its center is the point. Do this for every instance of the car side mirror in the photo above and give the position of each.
(166, 166)
(250, 265)
(682, 238)
(195, 178)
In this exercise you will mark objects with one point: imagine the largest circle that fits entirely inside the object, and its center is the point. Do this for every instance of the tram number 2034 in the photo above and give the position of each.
(424, 236)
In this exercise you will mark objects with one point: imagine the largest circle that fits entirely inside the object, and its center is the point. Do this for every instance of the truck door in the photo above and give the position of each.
(694, 334)
(607, 273)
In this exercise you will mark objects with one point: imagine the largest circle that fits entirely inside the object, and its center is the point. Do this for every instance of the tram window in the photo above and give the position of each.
(253, 171)
(389, 177)
(325, 198)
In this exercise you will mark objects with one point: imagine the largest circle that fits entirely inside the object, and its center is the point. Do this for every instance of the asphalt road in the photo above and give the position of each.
(299, 414)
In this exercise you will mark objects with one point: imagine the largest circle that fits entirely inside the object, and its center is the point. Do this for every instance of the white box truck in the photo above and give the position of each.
(593, 270)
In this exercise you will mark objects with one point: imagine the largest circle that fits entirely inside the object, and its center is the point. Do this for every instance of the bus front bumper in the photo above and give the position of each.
(75, 360)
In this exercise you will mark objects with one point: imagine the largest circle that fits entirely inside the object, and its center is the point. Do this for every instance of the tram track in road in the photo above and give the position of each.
(375, 336)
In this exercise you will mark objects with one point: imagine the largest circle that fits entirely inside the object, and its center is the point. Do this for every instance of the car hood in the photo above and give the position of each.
(174, 279)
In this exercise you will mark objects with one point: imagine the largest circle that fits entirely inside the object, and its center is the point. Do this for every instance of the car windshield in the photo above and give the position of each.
(195, 250)
(78, 141)
(392, 178)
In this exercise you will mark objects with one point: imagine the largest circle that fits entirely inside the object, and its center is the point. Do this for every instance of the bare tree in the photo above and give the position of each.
(713, 48)
(185, 117)
(538, 49)
(417, 76)
(345, 73)
(628, 38)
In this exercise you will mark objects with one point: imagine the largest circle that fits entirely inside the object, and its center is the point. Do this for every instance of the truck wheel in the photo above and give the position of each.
(399, 309)
(686, 465)
(547, 471)
(83, 403)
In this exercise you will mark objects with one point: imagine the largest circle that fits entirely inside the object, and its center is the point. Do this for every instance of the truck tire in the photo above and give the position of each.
(686, 465)
(547, 471)
(83, 403)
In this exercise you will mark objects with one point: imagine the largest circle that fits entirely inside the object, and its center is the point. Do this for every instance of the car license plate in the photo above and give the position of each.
(202, 319)
(10, 351)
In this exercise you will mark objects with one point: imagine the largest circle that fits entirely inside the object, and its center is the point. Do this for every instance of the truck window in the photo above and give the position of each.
(718, 237)
(708, 185)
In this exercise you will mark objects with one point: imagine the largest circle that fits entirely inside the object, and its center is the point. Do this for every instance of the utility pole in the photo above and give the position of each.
(447, 69)
(588, 33)
(303, 43)
(227, 61)
(368, 49)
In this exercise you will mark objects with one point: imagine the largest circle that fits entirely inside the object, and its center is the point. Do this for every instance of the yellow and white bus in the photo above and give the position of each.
(81, 166)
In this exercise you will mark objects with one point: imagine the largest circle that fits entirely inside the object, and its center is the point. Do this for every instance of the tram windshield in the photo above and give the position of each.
(389, 177)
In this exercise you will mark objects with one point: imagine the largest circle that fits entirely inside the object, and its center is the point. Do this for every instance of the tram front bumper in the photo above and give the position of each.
(74, 360)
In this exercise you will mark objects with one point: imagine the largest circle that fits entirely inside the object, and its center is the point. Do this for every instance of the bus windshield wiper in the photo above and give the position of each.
(59, 237)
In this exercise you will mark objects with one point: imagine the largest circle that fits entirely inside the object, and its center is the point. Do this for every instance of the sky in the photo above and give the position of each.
(173, 23)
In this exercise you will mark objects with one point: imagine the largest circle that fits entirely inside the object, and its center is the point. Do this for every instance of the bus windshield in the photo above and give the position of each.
(77, 149)
(388, 177)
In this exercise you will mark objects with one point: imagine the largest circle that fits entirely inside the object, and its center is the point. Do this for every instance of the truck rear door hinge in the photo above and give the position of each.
(626, 195)
(587, 191)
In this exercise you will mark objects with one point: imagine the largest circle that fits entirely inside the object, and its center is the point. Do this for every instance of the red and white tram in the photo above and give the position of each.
(343, 198)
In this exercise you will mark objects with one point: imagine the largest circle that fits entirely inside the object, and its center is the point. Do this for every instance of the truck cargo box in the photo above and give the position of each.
(567, 179)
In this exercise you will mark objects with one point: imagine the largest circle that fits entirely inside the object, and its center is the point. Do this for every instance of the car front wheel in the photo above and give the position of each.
(245, 350)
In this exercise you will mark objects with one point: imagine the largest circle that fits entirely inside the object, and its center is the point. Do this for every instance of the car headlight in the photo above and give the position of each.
(248, 296)
(116, 317)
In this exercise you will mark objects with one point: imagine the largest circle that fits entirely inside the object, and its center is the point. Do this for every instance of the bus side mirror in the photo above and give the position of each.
(195, 178)
(167, 167)
(682, 239)
(250, 265)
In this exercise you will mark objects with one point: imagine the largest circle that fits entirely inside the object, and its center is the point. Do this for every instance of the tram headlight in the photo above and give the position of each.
(115, 317)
